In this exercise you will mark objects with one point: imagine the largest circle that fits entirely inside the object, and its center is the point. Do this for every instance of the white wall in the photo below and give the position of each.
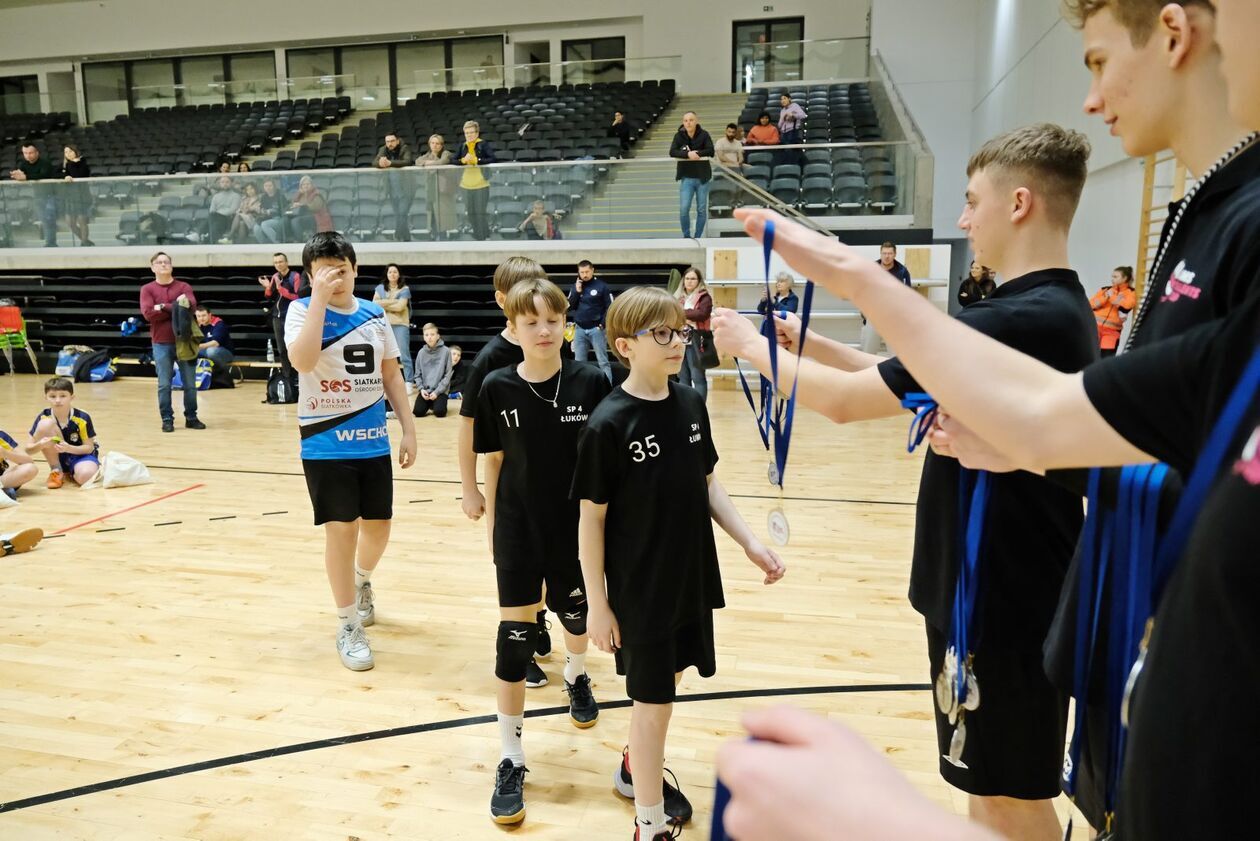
(929, 48)
(700, 32)
(1029, 69)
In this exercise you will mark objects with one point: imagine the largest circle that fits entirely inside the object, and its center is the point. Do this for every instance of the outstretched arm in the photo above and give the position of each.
(1036, 415)
(839, 395)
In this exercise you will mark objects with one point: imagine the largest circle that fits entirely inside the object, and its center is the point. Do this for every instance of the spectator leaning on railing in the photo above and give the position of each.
(728, 150)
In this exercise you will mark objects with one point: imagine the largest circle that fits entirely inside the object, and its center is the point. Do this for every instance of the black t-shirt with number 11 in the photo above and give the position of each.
(535, 522)
(649, 461)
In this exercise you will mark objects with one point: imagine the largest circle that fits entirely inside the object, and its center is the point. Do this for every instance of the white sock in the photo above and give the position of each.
(348, 615)
(361, 576)
(651, 818)
(574, 666)
(510, 727)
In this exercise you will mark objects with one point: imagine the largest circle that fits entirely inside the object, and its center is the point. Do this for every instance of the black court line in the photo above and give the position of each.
(398, 478)
(272, 513)
(102, 531)
(228, 517)
(169, 523)
(52, 536)
(821, 499)
(430, 727)
(411, 501)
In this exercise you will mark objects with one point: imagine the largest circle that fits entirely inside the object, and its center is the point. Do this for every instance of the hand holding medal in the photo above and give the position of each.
(778, 423)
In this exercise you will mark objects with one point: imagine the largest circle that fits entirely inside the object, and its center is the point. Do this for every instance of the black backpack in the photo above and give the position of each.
(282, 389)
(86, 362)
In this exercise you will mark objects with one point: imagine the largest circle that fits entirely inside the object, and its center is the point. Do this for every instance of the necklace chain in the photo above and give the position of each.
(1144, 305)
(554, 401)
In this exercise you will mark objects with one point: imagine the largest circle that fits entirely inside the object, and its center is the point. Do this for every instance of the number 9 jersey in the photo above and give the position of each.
(341, 404)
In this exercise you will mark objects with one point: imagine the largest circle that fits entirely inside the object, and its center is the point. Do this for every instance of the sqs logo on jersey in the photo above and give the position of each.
(1181, 285)
(1248, 465)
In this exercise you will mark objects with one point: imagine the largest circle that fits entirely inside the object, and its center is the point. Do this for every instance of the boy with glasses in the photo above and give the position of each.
(645, 480)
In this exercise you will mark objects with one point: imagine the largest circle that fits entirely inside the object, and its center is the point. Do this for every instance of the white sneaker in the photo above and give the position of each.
(363, 603)
(354, 648)
(411, 388)
(389, 415)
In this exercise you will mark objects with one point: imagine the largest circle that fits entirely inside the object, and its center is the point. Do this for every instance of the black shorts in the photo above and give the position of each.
(344, 490)
(1016, 739)
(521, 586)
(649, 667)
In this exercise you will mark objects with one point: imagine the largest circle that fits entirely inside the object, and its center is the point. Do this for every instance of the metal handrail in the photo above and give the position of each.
(770, 200)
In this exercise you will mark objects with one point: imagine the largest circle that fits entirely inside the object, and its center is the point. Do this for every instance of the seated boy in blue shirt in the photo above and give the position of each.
(65, 435)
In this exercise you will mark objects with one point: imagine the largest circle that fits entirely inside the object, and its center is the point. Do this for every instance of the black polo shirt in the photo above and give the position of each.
(1190, 765)
(1032, 524)
(1213, 259)
(1212, 265)
(535, 522)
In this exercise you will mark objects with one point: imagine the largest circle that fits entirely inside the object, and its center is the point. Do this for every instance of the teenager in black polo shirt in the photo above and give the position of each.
(499, 352)
(1022, 194)
(649, 497)
(1190, 766)
(527, 424)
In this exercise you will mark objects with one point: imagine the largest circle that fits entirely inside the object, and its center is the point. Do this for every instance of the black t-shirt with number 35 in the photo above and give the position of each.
(535, 522)
(649, 461)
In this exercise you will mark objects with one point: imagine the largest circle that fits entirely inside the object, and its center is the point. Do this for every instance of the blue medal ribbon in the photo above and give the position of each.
(1117, 551)
(973, 507)
(777, 424)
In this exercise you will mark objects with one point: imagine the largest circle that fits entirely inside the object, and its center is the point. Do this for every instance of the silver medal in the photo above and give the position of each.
(772, 473)
(942, 693)
(777, 526)
(947, 692)
(956, 745)
(972, 701)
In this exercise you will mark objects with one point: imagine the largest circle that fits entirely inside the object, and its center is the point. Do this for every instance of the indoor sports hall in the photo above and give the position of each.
(168, 644)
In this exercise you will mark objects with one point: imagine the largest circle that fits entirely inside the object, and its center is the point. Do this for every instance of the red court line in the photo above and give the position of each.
(132, 508)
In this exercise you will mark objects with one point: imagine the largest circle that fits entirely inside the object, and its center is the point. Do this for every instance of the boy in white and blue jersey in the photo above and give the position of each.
(348, 363)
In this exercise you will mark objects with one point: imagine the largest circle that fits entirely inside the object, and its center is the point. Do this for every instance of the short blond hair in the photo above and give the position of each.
(1137, 16)
(473, 124)
(641, 308)
(520, 301)
(515, 269)
(1053, 159)
(430, 326)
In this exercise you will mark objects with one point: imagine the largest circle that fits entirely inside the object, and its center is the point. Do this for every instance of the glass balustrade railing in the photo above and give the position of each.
(800, 61)
(841, 185)
(489, 77)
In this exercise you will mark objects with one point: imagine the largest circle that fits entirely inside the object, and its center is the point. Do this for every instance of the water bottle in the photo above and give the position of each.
(271, 352)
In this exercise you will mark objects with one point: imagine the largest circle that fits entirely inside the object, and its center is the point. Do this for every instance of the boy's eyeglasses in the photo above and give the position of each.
(664, 335)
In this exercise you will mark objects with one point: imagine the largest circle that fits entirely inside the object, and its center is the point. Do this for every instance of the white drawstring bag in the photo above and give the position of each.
(119, 471)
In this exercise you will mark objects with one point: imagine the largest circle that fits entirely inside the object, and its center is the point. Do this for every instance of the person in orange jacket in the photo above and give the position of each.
(1112, 305)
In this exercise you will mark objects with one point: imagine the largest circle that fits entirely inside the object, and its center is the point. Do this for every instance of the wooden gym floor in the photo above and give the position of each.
(167, 667)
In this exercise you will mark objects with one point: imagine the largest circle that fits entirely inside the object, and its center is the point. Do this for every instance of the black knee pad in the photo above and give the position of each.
(573, 615)
(514, 650)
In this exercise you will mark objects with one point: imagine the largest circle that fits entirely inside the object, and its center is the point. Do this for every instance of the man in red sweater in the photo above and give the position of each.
(157, 300)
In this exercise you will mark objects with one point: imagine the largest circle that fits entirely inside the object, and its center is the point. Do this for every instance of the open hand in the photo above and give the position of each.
(327, 282)
(823, 259)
